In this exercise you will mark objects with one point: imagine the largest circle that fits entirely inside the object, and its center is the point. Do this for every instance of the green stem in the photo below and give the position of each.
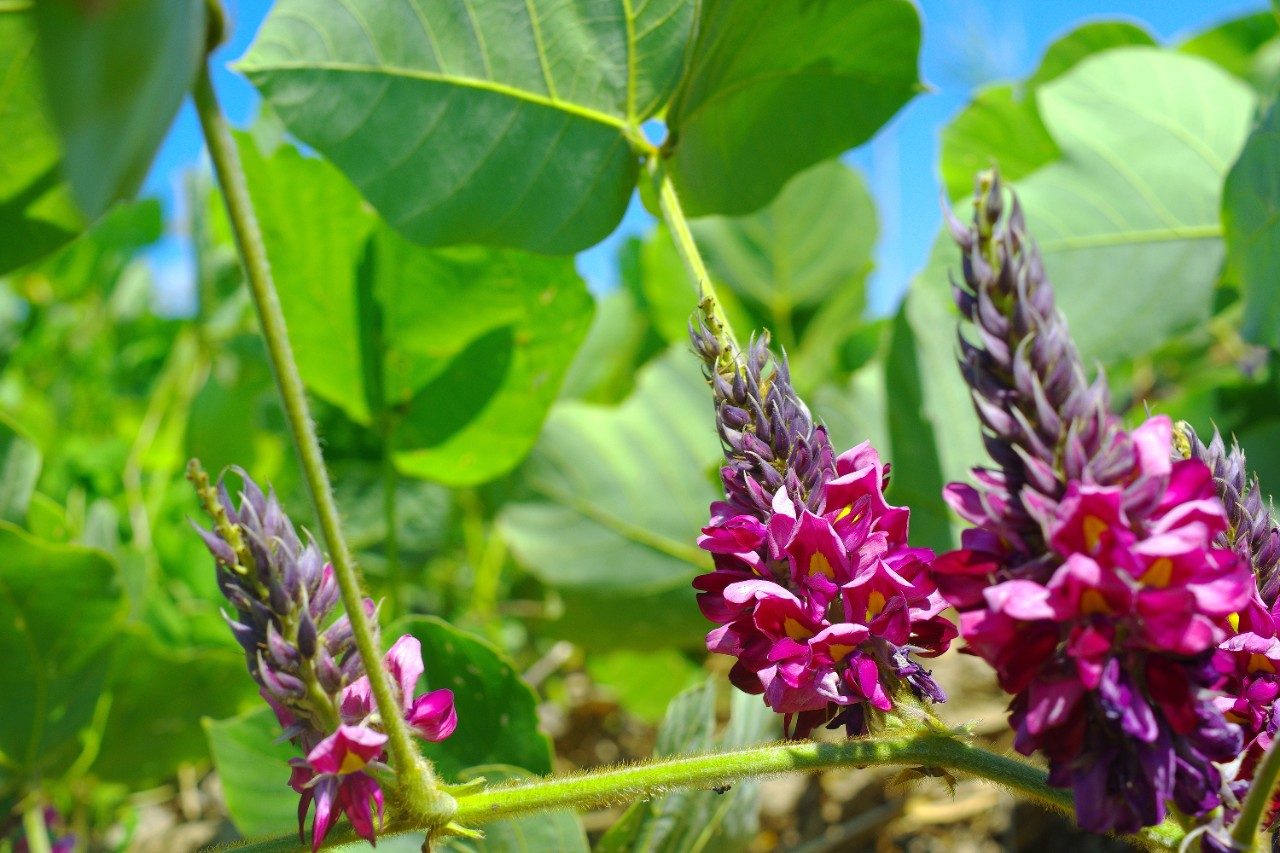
(1244, 834)
(33, 825)
(687, 249)
(654, 778)
(417, 782)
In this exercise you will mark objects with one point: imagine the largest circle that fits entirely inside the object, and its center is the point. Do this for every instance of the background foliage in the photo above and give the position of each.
(521, 462)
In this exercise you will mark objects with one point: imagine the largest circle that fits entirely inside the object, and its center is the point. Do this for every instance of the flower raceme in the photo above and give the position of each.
(282, 591)
(815, 590)
(1093, 579)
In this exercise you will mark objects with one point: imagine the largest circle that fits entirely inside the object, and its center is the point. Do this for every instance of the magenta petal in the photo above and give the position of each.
(325, 795)
(404, 662)
(360, 793)
(433, 715)
(347, 750)
(357, 700)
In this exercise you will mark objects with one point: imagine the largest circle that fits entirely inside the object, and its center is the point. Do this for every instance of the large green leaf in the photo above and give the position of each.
(560, 831)
(1002, 126)
(463, 349)
(61, 607)
(1128, 219)
(116, 74)
(254, 773)
(158, 696)
(506, 122)
(698, 819)
(775, 86)
(497, 711)
(620, 494)
(37, 213)
(1251, 218)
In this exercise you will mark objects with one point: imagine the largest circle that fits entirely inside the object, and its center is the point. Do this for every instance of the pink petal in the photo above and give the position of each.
(347, 750)
(433, 715)
(325, 794)
(404, 662)
(357, 793)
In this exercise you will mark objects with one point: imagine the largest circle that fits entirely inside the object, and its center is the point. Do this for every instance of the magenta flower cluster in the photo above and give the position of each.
(283, 591)
(822, 609)
(1110, 657)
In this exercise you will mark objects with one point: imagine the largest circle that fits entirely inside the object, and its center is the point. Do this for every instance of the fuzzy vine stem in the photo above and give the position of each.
(33, 826)
(649, 779)
(1244, 834)
(687, 249)
(417, 788)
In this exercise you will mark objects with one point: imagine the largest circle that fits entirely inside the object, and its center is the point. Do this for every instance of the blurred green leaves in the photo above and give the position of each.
(453, 355)
(37, 213)
(1251, 218)
(115, 76)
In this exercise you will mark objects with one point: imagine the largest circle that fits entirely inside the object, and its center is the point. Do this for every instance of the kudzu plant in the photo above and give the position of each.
(1120, 578)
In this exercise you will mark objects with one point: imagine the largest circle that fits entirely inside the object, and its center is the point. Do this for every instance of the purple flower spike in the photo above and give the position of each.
(1096, 578)
(312, 677)
(816, 592)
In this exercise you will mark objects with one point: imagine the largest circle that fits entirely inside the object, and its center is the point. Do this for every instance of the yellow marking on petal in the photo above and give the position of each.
(819, 564)
(1158, 573)
(1260, 663)
(1094, 527)
(839, 652)
(795, 630)
(1234, 621)
(875, 603)
(1092, 602)
(842, 513)
(351, 763)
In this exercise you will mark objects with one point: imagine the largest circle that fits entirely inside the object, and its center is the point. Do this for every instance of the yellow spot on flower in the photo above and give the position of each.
(351, 762)
(875, 603)
(1234, 621)
(839, 652)
(795, 630)
(1094, 527)
(1092, 602)
(1260, 663)
(819, 564)
(1158, 573)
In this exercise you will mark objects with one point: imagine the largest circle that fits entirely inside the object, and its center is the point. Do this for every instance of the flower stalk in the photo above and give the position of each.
(417, 787)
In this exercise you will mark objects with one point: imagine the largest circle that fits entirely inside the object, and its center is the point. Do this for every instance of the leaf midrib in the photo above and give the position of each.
(492, 86)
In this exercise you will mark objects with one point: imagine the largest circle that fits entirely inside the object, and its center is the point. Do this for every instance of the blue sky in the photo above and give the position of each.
(966, 43)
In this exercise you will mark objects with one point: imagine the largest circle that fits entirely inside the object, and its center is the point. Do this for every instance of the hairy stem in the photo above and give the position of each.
(1244, 834)
(417, 782)
(33, 827)
(678, 224)
(654, 778)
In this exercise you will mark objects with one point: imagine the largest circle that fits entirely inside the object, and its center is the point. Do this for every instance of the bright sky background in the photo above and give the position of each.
(966, 43)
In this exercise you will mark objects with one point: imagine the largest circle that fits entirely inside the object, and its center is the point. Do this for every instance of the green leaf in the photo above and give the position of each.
(116, 75)
(620, 494)
(1240, 46)
(158, 696)
(507, 122)
(254, 773)
(61, 607)
(497, 711)
(482, 339)
(1002, 125)
(1127, 220)
(560, 831)
(644, 682)
(37, 213)
(474, 342)
(693, 819)
(1251, 219)
(775, 86)
(20, 461)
